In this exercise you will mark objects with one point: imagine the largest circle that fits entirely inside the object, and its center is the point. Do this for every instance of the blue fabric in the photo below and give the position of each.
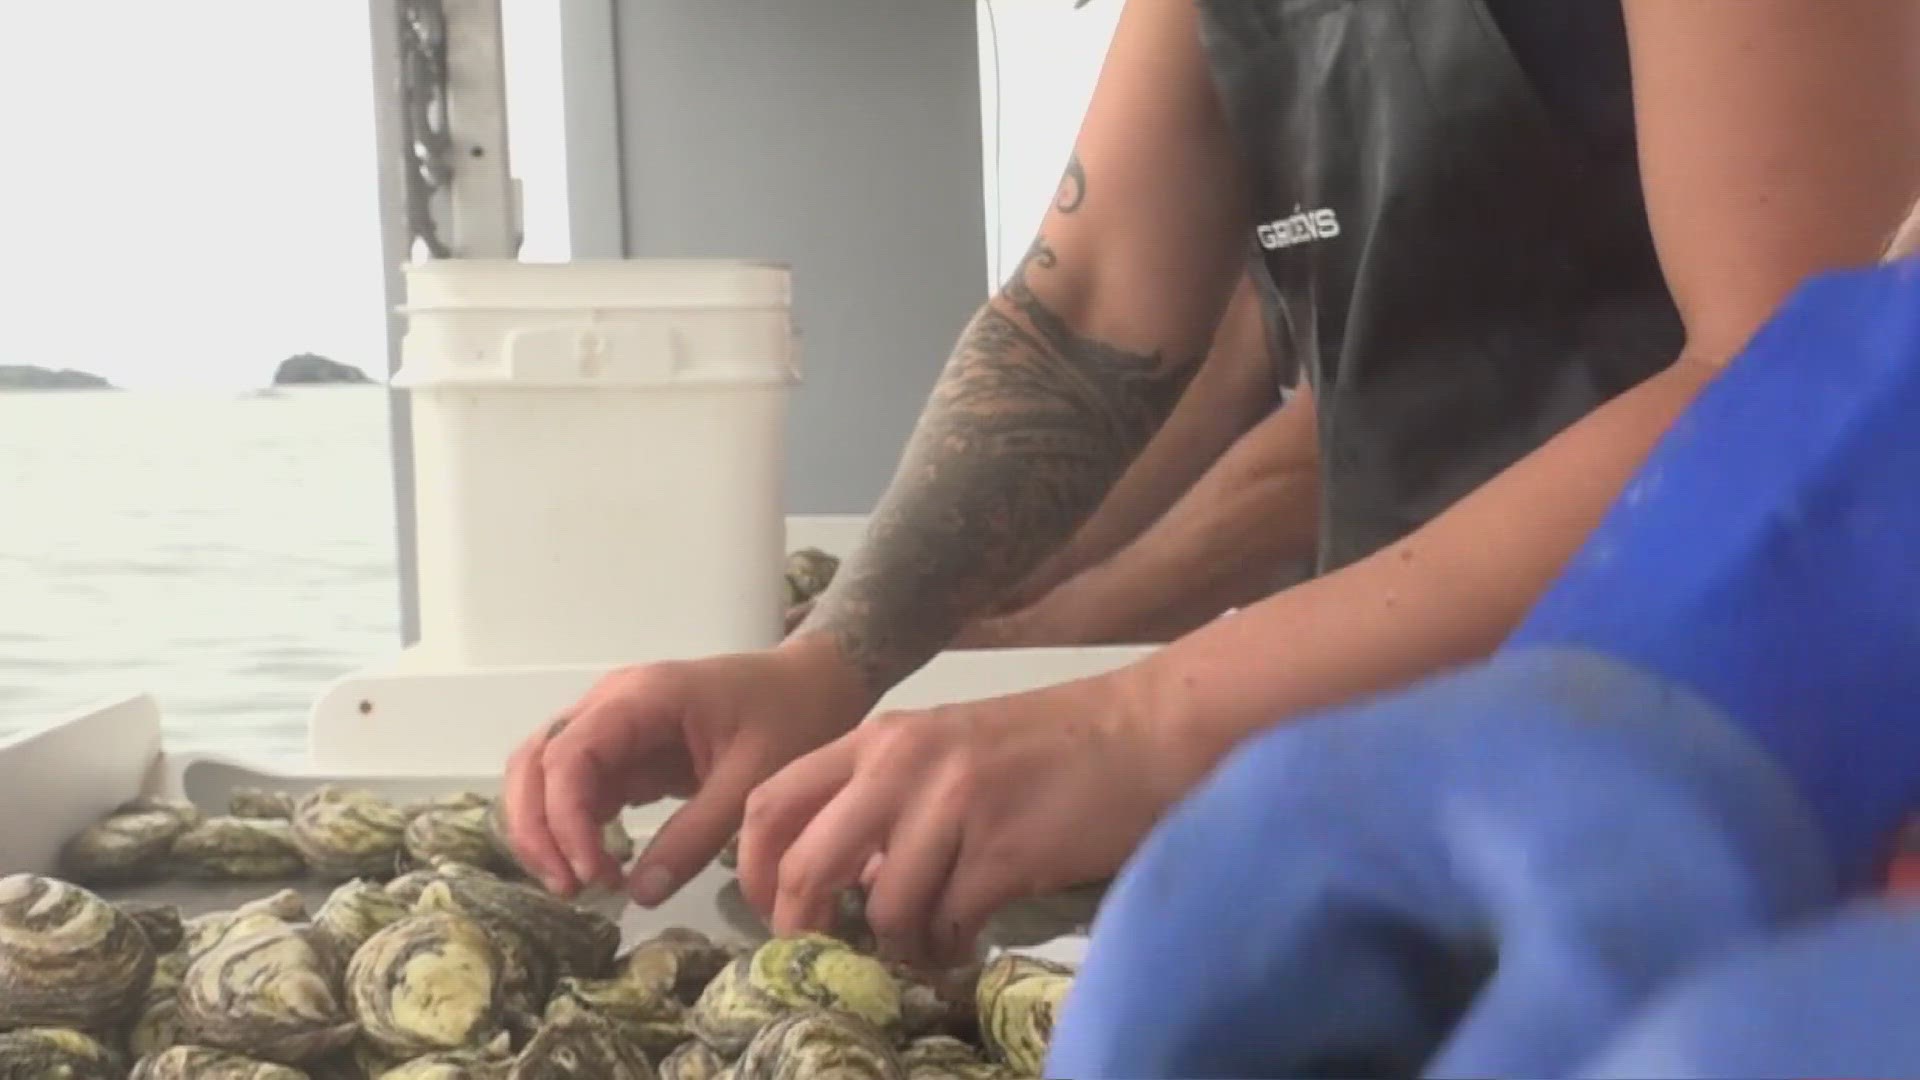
(1331, 901)
(1767, 556)
(1834, 1000)
(1705, 731)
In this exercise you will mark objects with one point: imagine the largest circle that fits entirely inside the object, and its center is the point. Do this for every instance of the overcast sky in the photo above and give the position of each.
(189, 195)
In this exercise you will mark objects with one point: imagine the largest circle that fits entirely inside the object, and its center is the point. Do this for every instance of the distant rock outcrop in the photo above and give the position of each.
(29, 377)
(308, 369)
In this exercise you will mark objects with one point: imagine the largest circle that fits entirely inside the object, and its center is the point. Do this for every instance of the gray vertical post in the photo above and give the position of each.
(396, 242)
(596, 179)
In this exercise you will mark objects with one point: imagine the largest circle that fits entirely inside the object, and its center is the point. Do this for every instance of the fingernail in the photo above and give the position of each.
(651, 885)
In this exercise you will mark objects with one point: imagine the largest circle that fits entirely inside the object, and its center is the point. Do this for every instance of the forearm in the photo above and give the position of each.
(1027, 428)
(1220, 547)
(1444, 595)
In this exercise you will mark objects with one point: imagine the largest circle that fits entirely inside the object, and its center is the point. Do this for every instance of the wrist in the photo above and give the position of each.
(1158, 704)
(815, 661)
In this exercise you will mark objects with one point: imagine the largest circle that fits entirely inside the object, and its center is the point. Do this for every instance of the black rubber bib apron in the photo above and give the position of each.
(1458, 279)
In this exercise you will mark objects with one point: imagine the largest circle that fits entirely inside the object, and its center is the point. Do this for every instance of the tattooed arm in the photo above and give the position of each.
(1066, 373)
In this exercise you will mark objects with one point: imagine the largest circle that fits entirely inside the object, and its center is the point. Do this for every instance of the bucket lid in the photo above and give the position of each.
(605, 284)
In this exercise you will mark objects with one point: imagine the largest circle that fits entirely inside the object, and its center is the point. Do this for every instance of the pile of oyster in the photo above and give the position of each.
(450, 970)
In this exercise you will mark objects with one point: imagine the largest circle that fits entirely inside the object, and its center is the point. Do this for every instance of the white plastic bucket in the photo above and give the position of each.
(599, 454)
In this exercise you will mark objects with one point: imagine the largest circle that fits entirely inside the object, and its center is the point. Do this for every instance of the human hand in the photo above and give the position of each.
(1482, 876)
(947, 815)
(706, 730)
(1703, 731)
(798, 613)
(1833, 999)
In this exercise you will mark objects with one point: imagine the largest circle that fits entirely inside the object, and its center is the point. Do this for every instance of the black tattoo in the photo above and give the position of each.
(1073, 186)
(1028, 427)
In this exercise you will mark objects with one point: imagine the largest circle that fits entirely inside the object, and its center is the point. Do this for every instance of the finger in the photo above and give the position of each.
(905, 887)
(581, 799)
(797, 614)
(974, 888)
(778, 811)
(526, 818)
(696, 832)
(832, 850)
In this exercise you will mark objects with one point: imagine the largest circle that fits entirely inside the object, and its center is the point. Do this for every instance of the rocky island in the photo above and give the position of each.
(307, 369)
(29, 377)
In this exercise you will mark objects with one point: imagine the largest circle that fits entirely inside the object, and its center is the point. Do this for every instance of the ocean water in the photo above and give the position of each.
(228, 553)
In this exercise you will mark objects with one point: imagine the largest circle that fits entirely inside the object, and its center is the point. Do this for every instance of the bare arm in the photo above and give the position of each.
(1066, 373)
(1234, 388)
(1754, 182)
(1221, 546)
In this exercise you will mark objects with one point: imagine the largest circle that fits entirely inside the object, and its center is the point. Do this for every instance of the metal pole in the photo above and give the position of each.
(396, 244)
(596, 180)
(446, 184)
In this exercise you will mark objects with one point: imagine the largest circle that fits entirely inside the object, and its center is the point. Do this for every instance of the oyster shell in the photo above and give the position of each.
(408, 886)
(817, 1042)
(581, 943)
(729, 857)
(121, 849)
(207, 1063)
(460, 834)
(353, 913)
(188, 813)
(46, 1053)
(428, 982)
(205, 931)
(347, 834)
(676, 963)
(458, 800)
(784, 974)
(618, 842)
(67, 957)
(489, 1062)
(654, 1022)
(1018, 998)
(942, 1057)
(809, 572)
(160, 922)
(250, 802)
(582, 1046)
(157, 1026)
(247, 849)
(692, 1060)
(943, 1003)
(267, 991)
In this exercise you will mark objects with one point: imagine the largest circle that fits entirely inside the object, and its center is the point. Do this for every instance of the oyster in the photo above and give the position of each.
(805, 971)
(654, 1022)
(618, 842)
(203, 932)
(809, 572)
(45, 1053)
(942, 1057)
(248, 849)
(676, 963)
(188, 813)
(729, 857)
(353, 913)
(347, 834)
(458, 800)
(121, 849)
(460, 834)
(160, 922)
(582, 1046)
(407, 887)
(428, 982)
(249, 802)
(693, 1060)
(937, 1004)
(207, 1063)
(582, 943)
(67, 957)
(157, 1026)
(1018, 998)
(818, 1042)
(489, 1062)
(266, 991)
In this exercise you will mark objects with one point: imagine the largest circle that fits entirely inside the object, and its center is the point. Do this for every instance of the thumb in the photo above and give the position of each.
(694, 835)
